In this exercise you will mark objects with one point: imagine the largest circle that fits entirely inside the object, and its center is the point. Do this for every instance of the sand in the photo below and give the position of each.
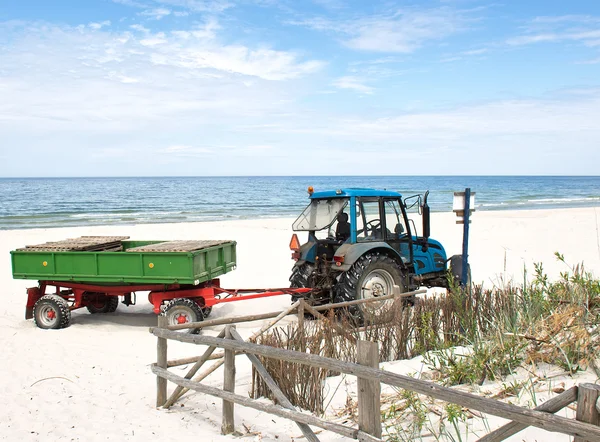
(92, 381)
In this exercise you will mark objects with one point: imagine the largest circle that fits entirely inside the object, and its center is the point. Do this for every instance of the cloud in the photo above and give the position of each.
(74, 79)
(131, 3)
(100, 25)
(401, 31)
(156, 13)
(552, 29)
(186, 151)
(465, 54)
(353, 83)
(212, 6)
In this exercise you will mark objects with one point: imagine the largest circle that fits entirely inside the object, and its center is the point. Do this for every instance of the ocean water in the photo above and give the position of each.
(59, 202)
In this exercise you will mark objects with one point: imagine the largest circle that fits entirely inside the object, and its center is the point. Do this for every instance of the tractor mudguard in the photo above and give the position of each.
(430, 260)
(308, 252)
(351, 252)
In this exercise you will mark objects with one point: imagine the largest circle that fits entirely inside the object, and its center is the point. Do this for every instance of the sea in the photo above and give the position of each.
(62, 202)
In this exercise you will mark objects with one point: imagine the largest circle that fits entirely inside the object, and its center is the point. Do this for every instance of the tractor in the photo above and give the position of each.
(361, 244)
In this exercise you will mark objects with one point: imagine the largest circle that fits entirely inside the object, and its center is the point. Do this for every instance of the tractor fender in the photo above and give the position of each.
(308, 252)
(351, 253)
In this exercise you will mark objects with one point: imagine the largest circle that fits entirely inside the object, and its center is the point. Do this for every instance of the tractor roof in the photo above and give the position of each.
(345, 193)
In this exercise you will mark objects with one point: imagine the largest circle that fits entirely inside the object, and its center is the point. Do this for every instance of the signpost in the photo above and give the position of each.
(463, 205)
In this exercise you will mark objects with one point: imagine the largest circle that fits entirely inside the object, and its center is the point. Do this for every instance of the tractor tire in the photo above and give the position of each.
(300, 278)
(51, 312)
(181, 311)
(372, 275)
(456, 268)
(102, 304)
(301, 275)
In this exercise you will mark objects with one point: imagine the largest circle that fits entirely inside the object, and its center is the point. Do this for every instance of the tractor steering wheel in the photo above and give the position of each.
(373, 225)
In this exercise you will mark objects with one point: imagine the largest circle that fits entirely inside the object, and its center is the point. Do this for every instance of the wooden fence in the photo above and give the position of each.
(584, 428)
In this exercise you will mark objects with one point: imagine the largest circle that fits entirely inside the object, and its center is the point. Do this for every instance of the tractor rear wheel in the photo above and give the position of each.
(182, 311)
(302, 278)
(301, 275)
(51, 312)
(101, 303)
(371, 276)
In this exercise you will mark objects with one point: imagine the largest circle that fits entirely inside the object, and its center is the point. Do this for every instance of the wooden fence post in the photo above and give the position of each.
(228, 425)
(587, 397)
(369, 390)
(301, 316)
(161, 361)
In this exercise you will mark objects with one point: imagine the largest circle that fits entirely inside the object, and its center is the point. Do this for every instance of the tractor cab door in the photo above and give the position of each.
(395, 226)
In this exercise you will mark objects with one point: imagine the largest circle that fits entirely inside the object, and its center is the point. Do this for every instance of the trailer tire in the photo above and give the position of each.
(103, 304)
(181, 311)
(373, 274)
(51, 312)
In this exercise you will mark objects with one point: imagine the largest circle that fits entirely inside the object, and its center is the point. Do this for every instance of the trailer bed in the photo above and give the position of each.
(117, 260)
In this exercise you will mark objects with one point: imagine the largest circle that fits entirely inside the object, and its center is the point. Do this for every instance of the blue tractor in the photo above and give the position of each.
(361, 244)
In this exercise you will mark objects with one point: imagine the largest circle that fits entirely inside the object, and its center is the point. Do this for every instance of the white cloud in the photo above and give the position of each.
(353, 83)
(186, 151)
(99, 25)
(552, 29)
(130, 80)
(214, 6)
(402, 31)
(140, 28)
(156, 13)
(131, 3)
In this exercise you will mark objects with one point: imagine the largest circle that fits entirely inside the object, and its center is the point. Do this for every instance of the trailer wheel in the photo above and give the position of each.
(206, 311)
(101, 303)
(372, 275)
(182, 311)
(51, 312)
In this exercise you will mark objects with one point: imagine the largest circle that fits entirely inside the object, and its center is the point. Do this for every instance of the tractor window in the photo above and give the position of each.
(368, 220)
(394, 221)
(319, 214)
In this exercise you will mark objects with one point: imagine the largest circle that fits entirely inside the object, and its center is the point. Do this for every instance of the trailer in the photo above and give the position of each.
(96, 271)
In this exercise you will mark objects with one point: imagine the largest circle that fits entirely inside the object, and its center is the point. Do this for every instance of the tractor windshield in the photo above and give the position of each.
(319, 214)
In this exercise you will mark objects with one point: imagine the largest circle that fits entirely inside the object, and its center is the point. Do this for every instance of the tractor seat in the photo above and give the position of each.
(342, 231)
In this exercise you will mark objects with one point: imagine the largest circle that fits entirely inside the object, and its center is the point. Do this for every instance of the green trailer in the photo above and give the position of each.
(128, 262)
(96, 271)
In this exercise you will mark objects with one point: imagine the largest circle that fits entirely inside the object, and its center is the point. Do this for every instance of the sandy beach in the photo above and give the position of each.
(92, 381)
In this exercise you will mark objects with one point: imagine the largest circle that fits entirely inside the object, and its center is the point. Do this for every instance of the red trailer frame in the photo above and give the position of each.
(205, 295)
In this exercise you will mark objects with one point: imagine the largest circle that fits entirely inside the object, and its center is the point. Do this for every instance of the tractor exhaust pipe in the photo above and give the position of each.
(426, 217)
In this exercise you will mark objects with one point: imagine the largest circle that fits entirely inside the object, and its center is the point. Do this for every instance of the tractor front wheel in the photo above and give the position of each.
(182, 311)
(51, 312)
(373, 275)
(456, 270)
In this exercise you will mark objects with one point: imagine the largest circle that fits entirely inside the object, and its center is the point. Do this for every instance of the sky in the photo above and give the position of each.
(299, 87)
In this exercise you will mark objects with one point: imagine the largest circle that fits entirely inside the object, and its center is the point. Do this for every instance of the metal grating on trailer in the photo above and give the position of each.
(81, 244)
(178, 246)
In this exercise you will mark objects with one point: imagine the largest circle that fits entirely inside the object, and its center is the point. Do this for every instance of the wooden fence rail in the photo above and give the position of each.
(584, 428)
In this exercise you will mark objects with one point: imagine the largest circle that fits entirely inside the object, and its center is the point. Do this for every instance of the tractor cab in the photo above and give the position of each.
(353, 217)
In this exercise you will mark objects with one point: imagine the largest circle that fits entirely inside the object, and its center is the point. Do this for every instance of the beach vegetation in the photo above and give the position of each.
(465, 337)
